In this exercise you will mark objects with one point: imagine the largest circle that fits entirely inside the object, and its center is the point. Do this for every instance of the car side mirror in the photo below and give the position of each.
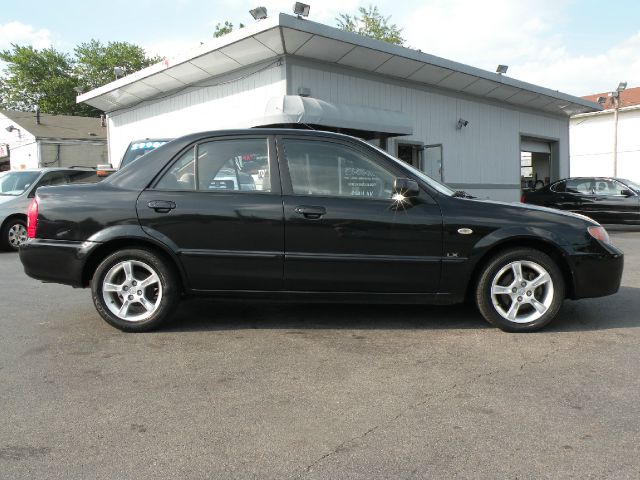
(627, 193)
(406, 187)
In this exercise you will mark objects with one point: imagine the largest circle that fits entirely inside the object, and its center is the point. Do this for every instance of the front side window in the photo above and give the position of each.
(327, 169)
(608, 187)
(221, 165)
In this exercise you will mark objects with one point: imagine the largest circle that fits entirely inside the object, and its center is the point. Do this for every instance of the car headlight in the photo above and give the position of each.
(599, 233)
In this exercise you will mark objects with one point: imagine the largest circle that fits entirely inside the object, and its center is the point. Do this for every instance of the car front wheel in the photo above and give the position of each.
(520, 290)
(14, 234)
(134, 290)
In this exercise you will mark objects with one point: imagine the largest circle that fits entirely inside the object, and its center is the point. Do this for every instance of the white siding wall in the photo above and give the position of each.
(219, 103)
(23, 149)
(487, 151)
(592, 145)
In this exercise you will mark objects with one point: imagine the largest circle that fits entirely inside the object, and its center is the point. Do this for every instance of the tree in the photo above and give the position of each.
(38, 77)
(51, 79)
(94, 62)
(371, 23)
(224, 29)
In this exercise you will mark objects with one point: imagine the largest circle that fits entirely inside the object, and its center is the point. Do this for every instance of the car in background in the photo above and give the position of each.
(18, 187)
(135, 150)
(605, 199)
(307, 216)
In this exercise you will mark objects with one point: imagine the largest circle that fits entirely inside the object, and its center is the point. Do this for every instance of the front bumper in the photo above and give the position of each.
(57, 261)
(597, 272)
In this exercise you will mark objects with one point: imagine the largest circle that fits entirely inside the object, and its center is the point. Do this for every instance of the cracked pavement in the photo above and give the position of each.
(236, 390)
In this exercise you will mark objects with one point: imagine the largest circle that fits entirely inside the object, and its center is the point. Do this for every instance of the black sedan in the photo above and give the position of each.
(325, 218)
(605, 199)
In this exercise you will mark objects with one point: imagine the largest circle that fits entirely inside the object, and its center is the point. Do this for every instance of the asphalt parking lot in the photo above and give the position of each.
(277, 391)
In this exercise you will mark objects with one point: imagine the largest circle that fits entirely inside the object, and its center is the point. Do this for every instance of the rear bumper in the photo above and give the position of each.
(58, 261)
(597, 274)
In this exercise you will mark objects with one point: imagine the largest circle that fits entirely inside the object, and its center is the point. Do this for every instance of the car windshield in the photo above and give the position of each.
(433, 183)
(15, 183)
(633, 185)
(138, 149)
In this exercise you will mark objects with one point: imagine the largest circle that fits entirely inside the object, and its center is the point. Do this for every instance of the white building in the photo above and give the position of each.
(593, 136)
(32, 140)
(462, 124)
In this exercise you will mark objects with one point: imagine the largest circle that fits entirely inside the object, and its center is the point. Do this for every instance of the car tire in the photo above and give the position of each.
(520, 290)
(135, 290)
(14, 234)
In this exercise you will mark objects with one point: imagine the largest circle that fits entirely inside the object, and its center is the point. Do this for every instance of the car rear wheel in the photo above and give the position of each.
(520, 290)
(134, 290)
(14, 234)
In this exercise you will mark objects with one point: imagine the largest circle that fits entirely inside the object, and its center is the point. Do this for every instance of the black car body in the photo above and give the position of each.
(605, 199)
(327, 218)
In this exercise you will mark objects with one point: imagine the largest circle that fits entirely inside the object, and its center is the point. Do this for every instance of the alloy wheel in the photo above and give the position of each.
(132, 290)
(17, 235)
(522, 291)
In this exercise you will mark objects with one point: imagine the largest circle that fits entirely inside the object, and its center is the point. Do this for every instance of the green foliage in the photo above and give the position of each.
(224, 29)
(94, 62)
(371, 23)
(51, 79)
(37, 77)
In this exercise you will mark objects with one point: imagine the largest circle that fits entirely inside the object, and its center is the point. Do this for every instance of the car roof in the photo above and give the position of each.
(54, 169)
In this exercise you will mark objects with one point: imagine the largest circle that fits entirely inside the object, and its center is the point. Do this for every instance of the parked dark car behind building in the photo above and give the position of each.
(325, 217)
(605, 199)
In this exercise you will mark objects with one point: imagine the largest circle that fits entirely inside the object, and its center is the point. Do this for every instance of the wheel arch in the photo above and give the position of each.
(534, 243)
(21, 216)
(107, 248)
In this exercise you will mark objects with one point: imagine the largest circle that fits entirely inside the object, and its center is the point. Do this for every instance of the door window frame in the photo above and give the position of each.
(274, 171)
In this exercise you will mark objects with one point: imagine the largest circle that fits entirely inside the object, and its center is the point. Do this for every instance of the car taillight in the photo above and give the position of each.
(32, 218)
(522, 198)
(599, 233)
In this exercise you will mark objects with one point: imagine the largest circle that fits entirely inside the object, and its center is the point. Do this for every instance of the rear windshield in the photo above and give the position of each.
(15, 183)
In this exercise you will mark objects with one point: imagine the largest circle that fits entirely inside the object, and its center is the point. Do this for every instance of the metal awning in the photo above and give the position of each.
(296, 110)
(286, 35)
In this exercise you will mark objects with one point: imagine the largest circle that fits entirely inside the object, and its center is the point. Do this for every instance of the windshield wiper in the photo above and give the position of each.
(462, 194)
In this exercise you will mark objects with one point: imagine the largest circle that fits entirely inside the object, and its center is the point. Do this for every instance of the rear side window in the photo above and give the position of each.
(558, 187)
(579, 185)
(240, 165)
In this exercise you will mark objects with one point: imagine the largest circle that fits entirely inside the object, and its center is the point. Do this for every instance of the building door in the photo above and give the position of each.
(535, 163)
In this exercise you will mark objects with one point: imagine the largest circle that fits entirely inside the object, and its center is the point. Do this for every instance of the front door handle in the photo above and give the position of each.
(161, 206)
(311, 212)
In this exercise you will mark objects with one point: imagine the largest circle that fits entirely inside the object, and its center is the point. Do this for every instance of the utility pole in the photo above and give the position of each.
(616, 109)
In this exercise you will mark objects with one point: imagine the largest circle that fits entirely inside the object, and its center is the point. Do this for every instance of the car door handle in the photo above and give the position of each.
(161, 206)
(310, 212)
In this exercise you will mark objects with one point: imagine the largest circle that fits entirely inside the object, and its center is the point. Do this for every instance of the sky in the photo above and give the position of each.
(575, 46)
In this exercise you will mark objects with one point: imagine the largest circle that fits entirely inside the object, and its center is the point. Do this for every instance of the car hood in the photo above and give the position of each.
(527, 206)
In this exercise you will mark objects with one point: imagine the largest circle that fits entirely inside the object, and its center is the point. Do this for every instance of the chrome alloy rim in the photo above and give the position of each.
(522, 291)
(132, 290)
(17, 235)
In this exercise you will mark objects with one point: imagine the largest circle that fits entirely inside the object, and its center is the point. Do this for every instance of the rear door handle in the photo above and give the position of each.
(161, 206)
(310, 211)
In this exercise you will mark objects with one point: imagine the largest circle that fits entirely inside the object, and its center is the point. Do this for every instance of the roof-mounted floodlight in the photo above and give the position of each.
(621, 87)
(502, 69)
(259, 13)
(301, 9)
(601, 100)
